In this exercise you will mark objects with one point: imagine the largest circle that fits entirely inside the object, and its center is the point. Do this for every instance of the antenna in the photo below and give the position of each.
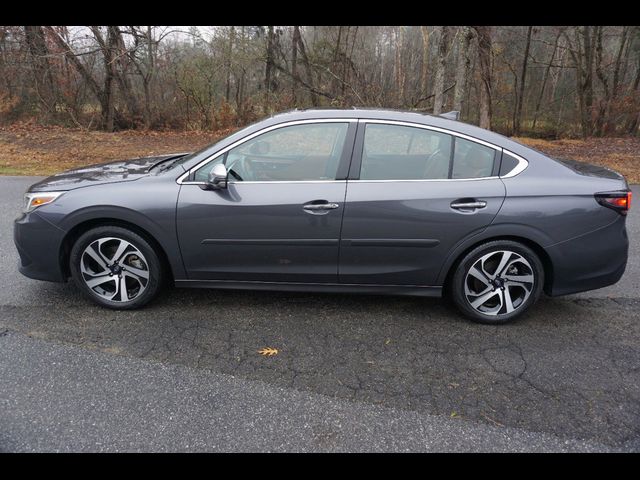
(453, 115)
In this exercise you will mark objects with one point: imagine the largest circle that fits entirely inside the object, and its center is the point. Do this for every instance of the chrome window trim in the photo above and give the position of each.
(180, 179)
(251, 182)
(435, 129)
(522, 162)
(522, 165)
(493, 177)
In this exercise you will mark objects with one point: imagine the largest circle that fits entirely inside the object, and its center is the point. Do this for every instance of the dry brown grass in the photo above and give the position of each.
(621, 154)
(26, 149)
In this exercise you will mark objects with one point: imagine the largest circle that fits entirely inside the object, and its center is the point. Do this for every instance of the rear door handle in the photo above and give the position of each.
(468, 205)
(319, 207)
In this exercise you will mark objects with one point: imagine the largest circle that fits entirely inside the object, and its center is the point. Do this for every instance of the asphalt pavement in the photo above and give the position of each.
(353, 373)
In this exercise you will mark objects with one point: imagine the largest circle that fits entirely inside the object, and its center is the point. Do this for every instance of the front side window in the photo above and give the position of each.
(294, 153)
(395, 152)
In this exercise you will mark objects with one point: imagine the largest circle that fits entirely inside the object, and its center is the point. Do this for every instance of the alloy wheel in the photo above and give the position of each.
(499, 282)
(114, 269)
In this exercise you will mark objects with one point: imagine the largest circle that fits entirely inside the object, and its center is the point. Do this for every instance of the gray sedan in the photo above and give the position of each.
(362, 201)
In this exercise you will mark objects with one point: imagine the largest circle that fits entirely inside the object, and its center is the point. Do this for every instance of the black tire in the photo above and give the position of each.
(460, 276)
(154, 267)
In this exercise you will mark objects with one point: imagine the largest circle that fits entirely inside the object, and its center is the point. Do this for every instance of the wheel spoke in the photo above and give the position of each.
(478, 274)
(482, 299)
(124, 294)
(519, 278)
(94, 282)
(97, 256)
(134, 277)
(503, 263)
(85, 271)
(507, 300)
(117, 256)
(137, 272)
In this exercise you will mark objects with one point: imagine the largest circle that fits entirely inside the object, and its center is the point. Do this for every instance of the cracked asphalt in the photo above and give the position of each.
(564, 377)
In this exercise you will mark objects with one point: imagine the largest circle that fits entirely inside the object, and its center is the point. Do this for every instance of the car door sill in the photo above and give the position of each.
(412, 290)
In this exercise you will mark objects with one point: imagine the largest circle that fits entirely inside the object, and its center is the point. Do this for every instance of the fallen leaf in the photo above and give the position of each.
(268, 351)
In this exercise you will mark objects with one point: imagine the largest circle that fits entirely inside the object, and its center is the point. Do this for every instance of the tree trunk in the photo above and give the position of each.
(229, 54)
(399, 71)
(269, 64)
(438, 86)
(424, 72)
(462, 68)
(295, 39)
(545, 78)
(121, 74)
(43, 78)
(101, 94)
(582, 56)
(523, 77)
(607, 125)
(308, 71)
(484, 59)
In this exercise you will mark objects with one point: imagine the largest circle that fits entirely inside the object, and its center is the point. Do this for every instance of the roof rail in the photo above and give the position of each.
(453, 115)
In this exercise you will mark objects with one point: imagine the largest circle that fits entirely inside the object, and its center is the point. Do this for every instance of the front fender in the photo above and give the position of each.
(162, 231)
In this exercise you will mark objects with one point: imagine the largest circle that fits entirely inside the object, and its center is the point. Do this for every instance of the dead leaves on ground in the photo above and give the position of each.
(268, 351)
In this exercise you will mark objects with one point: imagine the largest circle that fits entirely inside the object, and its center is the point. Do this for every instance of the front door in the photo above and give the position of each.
(279, 218)
(413, 194)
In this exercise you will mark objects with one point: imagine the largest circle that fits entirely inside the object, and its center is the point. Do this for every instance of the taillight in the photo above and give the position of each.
(619, 201)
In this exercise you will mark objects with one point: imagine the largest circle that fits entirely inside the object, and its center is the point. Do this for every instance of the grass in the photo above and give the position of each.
(33, 150)
(621, 154)
(29, 150)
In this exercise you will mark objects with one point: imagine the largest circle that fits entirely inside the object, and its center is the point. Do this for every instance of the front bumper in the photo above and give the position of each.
(595, 260)
(38, 243)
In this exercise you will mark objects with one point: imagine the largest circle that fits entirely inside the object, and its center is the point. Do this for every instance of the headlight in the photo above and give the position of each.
(37, 199)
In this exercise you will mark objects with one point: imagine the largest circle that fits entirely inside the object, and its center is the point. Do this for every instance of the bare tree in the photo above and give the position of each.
(578, 79)
(545, 78)
(484, 58)
(465, 36)
(45, 86)
(443, 52)
(523, 79)
(424, 72)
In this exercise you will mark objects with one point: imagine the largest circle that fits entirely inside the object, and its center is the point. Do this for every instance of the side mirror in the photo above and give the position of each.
(218, 177)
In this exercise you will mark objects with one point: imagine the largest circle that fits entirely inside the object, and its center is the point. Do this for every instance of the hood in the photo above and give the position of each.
(118, 171)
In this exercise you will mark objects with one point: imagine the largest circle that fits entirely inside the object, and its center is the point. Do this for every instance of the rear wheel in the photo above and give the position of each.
(497, 282)
(115, 267)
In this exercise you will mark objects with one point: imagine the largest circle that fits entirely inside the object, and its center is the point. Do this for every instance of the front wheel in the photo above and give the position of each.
(115, 267)
(497, 281)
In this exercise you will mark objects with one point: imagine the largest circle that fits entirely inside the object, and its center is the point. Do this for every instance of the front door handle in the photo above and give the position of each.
(468, 205)
(321, 206)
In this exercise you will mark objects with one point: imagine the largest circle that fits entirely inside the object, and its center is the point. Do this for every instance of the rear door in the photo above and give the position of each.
(413, 194)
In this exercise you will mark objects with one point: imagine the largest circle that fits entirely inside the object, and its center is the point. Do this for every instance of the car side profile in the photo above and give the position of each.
(363, 201)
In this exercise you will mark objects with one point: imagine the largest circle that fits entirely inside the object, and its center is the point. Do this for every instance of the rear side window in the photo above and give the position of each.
(472, 160)
(395, 152)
